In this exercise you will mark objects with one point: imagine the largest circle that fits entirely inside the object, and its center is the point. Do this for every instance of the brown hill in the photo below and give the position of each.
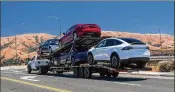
(27, 44)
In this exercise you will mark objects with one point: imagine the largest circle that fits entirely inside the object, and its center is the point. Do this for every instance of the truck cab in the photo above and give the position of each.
(38, 63)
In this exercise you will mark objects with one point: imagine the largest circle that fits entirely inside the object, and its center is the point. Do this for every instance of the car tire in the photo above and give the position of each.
(75, 36)
(90, 59)
(29, 70)
(114, 61)
(141, 64)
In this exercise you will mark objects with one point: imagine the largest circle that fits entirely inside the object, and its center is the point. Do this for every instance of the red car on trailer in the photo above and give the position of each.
(80, 30)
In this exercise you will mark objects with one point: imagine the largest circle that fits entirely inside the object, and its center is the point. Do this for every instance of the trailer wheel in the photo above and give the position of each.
(102, 74)
(42, 70)
(76, 71)
(29, 70)
(81, 72)
(114, 75)
(87, 73)
(108, 75)
(59, 72)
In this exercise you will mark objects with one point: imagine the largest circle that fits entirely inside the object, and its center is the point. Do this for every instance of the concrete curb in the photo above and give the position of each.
(13, 67)
(166, 74)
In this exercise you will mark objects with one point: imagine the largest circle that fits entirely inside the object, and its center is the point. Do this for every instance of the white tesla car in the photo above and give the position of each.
(118, 51)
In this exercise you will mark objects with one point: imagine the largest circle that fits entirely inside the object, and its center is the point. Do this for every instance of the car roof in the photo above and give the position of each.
(52, 39)
(86, 24)
(120, 38)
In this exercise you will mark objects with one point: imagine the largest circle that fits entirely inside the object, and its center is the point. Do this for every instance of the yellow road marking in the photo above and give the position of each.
(36, 85)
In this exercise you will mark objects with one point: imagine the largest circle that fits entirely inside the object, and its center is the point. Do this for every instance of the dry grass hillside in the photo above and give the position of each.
(27, 44)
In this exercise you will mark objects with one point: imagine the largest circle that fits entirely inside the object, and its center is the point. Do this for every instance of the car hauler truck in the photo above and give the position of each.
(62, 60)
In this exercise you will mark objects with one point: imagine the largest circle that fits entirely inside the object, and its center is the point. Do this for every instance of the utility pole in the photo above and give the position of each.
(15, 47)
(16, 56)
(160, 40)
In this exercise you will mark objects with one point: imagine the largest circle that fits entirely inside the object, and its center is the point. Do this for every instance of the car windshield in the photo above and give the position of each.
(54, 42)
(132, 41)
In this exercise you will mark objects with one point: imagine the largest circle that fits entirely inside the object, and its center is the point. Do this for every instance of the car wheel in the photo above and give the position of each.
(141, 64)
(75, 36)
(90, 59)
(29, 70)
(114, 61)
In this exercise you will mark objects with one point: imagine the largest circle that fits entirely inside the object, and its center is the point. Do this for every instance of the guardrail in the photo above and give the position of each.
(161, 58)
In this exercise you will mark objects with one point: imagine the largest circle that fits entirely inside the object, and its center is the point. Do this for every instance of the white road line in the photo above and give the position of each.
(30, 78)
(127, 84)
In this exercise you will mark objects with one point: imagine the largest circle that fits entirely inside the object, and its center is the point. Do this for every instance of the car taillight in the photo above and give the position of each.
(127, 48)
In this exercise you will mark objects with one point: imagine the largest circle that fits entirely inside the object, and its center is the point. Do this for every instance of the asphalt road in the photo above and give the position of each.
(19, 81)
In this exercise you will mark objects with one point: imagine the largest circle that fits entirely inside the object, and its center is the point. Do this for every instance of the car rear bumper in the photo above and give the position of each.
(95, 34)
(136, 59)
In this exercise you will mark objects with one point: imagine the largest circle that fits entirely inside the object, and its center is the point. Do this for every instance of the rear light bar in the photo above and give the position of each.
(127, 48)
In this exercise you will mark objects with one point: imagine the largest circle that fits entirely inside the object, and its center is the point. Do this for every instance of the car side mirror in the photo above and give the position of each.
(63, 33)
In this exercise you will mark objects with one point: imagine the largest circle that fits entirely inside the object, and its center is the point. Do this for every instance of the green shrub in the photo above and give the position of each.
(166, 66)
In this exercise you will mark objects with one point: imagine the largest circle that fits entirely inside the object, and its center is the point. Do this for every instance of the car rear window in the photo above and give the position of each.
(55, 41)
(132, 41)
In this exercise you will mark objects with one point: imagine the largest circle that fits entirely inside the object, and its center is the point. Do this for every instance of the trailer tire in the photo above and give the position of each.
(102, 74)
(76, 71)
(87, 72)
(29, 70)
(108, 75)
(81, 72)
(42, 70)
(114, 75)
(59, 72)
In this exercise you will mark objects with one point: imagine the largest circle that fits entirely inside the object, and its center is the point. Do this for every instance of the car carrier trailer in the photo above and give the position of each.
(83, 70)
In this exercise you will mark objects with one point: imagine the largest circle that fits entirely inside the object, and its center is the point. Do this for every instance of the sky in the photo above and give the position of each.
(136, 17)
